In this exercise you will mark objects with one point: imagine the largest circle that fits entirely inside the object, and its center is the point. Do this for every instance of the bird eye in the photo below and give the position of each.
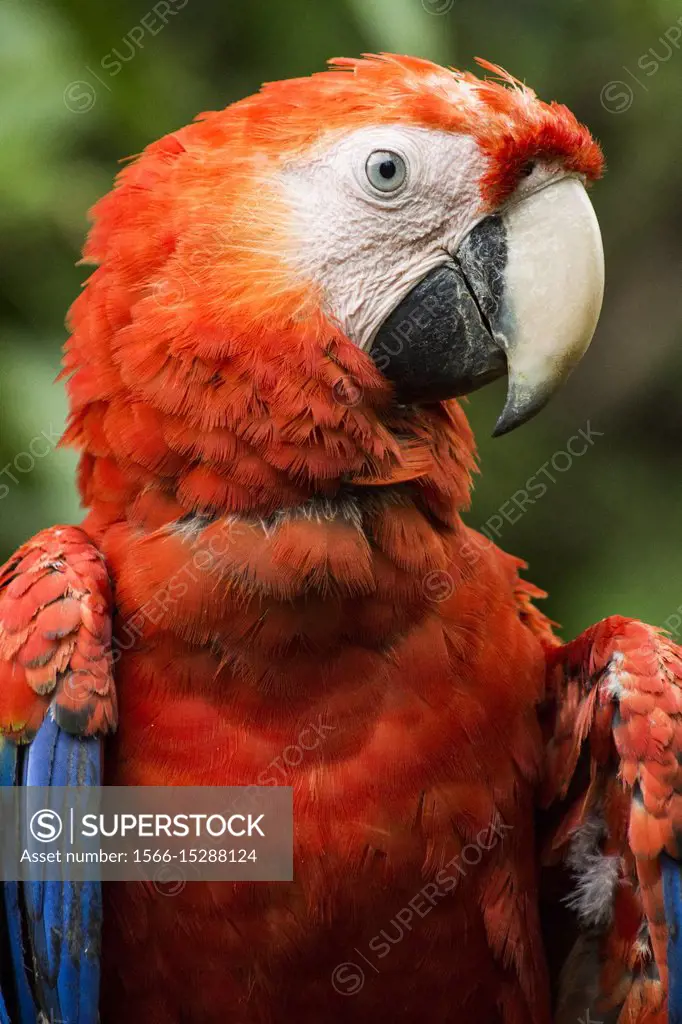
(528, 169)
(385, 170)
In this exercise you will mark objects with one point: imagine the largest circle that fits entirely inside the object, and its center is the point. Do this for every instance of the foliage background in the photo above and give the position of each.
(605, 537)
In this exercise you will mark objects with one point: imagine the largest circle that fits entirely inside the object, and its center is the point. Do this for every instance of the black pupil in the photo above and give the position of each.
(387, 169)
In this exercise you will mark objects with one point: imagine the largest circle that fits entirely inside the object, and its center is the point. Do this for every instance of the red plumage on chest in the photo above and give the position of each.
(275, 653)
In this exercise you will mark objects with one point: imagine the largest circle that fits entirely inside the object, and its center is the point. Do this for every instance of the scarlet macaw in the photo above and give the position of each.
(288, 296)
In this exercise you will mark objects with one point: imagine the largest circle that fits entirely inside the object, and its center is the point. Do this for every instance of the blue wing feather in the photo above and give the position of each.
(24, 1006)
(65, 918)
(8, 762)
(672, 899)
(8, 769)
(16, 987)
(62, 919)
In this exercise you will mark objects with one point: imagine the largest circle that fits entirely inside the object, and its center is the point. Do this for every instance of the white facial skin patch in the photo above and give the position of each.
(368, 248)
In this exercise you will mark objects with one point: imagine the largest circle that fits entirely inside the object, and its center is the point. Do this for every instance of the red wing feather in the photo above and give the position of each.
(616, 694)
(55, 637)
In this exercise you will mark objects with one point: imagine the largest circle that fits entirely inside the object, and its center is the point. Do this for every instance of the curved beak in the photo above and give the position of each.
(554, 286)
(522, 296)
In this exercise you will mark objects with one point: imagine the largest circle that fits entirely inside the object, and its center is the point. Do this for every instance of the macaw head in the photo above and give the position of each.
(445, 223)
(284, 286)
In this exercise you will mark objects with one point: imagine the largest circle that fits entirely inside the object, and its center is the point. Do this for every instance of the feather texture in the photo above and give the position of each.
(56, 691)
(64, 920)
(617, 698)
(55, 637)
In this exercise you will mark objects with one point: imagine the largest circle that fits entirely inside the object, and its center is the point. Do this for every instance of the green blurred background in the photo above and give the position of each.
(83, 84)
